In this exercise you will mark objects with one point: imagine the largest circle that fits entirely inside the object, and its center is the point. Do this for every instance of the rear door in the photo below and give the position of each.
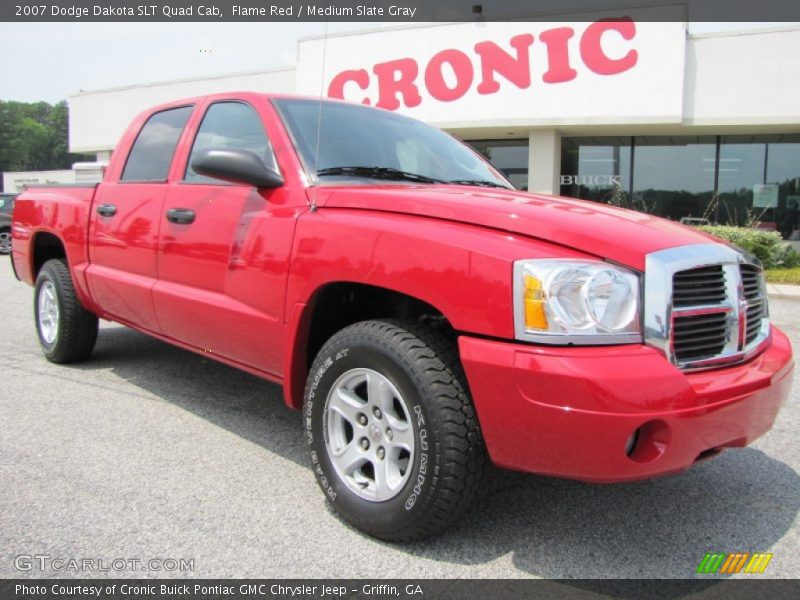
(224, 248)
(126, 215)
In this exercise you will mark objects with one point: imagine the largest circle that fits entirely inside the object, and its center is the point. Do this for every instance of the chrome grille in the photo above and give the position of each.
(699, 336)
(705, 306)
(751, 287)
(705, 285)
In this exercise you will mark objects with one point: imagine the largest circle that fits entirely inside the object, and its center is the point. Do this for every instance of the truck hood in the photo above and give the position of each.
(617, 234)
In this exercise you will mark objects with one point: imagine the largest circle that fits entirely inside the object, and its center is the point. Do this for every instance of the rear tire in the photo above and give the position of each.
(393, 437)
(67, 331)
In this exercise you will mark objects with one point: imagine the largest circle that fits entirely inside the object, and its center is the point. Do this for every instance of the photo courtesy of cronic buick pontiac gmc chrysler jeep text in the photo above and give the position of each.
(425, 316)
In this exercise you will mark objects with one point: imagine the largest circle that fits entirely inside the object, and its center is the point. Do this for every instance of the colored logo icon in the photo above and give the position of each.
(735, 562)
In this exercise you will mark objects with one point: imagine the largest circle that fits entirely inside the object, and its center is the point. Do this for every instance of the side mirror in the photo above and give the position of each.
(237, 166)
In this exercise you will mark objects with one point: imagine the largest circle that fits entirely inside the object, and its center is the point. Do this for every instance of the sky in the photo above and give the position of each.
(51, 61)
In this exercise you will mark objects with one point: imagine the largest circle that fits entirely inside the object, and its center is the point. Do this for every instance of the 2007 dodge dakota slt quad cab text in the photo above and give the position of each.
(423, 314)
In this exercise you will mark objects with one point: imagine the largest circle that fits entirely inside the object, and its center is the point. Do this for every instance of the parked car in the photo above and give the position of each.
(6, 210)
(424, 315)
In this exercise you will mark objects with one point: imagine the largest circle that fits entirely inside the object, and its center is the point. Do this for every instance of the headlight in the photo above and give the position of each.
(566, 301)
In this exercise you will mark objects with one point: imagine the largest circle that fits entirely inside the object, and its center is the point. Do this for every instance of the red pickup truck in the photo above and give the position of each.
(424, 315)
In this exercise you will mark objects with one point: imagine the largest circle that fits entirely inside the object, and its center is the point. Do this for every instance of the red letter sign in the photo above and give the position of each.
(558, 55)
(592, 48)
(360, 78)
(434, 79)
(496, 60)
(389, 85)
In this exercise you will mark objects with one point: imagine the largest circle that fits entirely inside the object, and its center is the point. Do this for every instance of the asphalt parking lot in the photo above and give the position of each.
(148, 451)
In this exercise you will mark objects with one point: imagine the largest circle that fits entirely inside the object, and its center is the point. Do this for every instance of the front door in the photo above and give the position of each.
(223, 251)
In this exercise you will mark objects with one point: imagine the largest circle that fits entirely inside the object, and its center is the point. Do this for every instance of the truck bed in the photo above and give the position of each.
(60, 209)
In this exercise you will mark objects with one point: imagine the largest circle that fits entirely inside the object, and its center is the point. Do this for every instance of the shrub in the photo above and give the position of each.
(766, 245)
(791, 258)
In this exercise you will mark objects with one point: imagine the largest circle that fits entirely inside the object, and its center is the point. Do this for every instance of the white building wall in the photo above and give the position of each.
(747, 78)
(98, 119)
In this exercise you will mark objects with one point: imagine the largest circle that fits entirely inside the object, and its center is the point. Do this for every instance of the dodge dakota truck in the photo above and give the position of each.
(426, 317)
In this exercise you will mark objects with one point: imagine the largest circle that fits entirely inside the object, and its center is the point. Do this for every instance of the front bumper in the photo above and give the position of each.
(572, 412)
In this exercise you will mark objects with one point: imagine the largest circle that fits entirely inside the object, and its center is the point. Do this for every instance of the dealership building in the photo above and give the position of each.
(624, 111)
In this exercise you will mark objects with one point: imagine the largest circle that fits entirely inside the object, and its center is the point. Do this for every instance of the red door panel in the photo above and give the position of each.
(126, 215)
(123, 250)
(222, 277)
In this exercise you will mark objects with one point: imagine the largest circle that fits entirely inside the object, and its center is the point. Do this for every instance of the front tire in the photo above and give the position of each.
(393, 436)
(67, 331)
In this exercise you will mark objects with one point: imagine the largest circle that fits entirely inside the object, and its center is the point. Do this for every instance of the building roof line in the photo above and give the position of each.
(743, 32)
(182, 80)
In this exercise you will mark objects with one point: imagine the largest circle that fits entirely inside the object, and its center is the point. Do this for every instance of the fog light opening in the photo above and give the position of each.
(649, 442)
(630, 445)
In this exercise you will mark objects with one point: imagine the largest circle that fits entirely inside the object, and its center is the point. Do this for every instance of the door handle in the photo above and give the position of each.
(106, 210)
(182, 216)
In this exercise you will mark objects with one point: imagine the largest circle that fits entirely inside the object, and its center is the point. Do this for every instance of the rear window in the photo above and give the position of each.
(151, 155)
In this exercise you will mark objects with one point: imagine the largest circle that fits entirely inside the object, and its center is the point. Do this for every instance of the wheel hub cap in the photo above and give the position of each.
(369, 435)
(375, 433)
(48, 312)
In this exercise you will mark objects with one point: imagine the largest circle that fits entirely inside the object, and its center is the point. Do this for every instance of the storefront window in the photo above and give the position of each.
(596, 168)
(508, 156)
(673, 176)
(783, 171)
(737, 180)
(759, 181)
(741, 175)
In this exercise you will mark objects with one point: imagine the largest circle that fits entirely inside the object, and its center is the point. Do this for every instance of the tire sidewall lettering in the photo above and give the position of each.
(422, 469)
(337, 360)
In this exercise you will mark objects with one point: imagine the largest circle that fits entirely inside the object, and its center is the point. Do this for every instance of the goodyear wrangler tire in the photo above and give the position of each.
(67, 331)
(393, 437)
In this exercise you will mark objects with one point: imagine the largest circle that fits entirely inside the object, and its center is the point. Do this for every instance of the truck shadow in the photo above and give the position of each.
(743, 500)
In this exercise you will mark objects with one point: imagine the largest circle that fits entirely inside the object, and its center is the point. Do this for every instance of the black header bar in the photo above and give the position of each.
(390, 11)
(394, 589)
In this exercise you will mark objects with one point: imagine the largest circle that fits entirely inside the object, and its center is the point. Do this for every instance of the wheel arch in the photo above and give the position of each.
(45, 246)
(332, 307)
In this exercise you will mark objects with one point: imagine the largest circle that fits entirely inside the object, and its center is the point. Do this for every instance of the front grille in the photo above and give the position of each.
(705, 285)
(705, 306)
(699, 336)
(751, 286)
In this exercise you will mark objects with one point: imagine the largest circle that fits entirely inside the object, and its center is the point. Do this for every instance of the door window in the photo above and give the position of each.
(229, 125)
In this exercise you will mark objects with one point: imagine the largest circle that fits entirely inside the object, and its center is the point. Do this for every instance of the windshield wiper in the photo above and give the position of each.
(378, 173)
(478, 182)
(398, 175)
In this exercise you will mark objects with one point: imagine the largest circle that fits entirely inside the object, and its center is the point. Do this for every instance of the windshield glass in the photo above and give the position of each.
(361, 142)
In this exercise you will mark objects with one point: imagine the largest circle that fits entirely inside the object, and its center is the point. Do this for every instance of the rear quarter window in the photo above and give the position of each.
(151, 154)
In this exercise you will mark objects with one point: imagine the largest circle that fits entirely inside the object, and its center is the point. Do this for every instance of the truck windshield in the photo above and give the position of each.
(357, 142)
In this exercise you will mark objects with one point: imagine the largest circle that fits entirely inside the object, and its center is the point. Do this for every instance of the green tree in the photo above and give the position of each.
(34, 136)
